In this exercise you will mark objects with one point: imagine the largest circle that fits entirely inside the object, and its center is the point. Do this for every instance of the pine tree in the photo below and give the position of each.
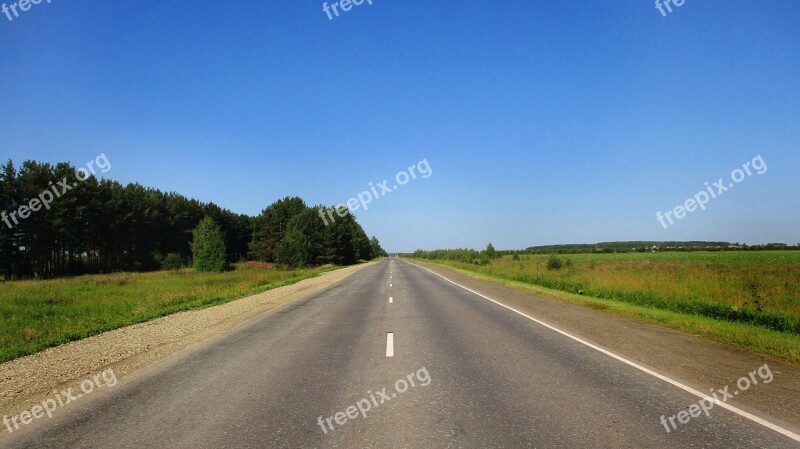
(294, 250)
(208, 247)
(490, 251)
(271, 226)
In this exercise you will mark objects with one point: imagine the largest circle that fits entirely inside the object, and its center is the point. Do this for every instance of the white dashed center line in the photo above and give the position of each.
(390, 344)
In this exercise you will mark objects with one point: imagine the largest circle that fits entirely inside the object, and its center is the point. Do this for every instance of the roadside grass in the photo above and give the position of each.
(761, 288)
(748, 335)
(35, 315)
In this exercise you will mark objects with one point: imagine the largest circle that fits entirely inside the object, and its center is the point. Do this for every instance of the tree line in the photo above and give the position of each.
(293, 234)
(484, 257)
(101, 226)
(650, 246)
(460, 255)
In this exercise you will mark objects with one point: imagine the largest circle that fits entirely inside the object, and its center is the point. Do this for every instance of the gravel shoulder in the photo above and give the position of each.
(26, 381)
(692, 360)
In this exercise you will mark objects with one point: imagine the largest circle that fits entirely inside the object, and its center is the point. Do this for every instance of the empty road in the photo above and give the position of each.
(458, 371)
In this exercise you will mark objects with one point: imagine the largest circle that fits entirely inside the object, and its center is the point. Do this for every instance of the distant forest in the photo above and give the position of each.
(648, 246)
(101, 226)
(486, 256)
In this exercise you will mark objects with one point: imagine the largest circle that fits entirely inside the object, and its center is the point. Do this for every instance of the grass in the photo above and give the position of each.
(747, 299)
(35, 315)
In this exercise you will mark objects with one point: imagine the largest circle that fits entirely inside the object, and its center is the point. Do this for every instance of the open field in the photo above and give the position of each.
(35, 315)
(760, 290)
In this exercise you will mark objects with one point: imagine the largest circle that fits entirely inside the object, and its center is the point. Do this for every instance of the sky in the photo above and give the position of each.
(542, 122)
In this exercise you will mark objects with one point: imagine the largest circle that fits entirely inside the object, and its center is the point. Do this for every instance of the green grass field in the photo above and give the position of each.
(758, 290)
(35, 315)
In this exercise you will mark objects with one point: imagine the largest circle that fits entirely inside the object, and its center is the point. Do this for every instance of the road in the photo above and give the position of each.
(461, 371)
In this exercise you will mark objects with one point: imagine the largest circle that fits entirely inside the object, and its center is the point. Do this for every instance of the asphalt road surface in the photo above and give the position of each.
(392, 356)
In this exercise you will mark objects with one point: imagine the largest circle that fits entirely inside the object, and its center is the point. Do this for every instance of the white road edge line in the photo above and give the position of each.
(669, 380)
(390, 344)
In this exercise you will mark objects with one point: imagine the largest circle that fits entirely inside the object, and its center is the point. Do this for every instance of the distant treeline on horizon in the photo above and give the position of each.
(616, 247)
(649, 246)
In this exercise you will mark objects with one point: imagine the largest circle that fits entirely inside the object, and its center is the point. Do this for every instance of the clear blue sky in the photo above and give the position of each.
(544, 122)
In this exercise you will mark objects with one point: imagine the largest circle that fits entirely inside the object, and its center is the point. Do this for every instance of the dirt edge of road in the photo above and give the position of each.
(26, 381)
(694, 361)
